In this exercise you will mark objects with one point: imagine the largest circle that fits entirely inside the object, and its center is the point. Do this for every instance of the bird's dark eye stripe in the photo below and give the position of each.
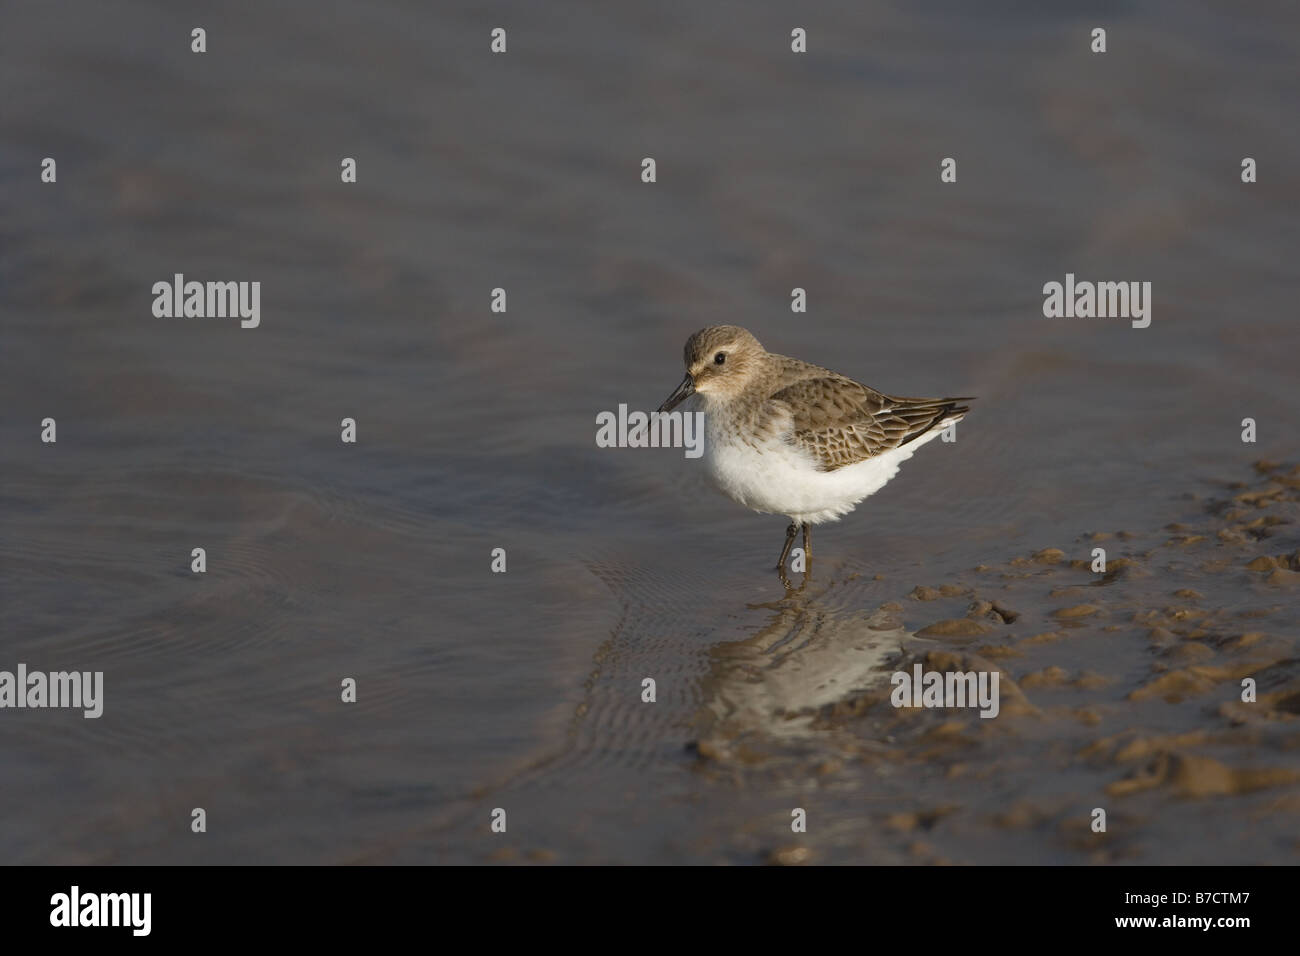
(719, 358)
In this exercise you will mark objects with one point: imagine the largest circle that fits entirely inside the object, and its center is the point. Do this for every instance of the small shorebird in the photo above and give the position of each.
(786, 437)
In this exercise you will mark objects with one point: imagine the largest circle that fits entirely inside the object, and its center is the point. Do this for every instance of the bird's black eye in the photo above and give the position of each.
(719, 358)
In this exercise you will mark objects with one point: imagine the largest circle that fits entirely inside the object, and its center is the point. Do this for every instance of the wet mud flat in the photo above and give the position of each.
(1124, 691)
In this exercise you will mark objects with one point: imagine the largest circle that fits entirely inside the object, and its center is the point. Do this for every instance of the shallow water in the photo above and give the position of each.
(476, 430)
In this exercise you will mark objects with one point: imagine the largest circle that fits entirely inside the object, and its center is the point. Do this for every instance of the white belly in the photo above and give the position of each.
(775, 477)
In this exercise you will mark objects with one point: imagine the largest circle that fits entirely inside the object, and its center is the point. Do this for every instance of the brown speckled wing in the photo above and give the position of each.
(842, 422)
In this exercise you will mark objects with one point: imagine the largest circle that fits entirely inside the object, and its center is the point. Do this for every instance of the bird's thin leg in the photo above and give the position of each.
(807, 545)
(789, 543)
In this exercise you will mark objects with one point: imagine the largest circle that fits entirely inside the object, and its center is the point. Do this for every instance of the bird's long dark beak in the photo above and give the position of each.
(683, 392)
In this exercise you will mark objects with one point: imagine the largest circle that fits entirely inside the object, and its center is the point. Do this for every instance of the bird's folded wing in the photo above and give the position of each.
(842, 422)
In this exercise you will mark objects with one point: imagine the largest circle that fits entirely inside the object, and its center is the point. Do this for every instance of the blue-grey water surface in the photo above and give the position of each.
(476, 430)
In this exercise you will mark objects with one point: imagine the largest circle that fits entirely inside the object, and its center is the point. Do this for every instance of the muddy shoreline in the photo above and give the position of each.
(1120, 690)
